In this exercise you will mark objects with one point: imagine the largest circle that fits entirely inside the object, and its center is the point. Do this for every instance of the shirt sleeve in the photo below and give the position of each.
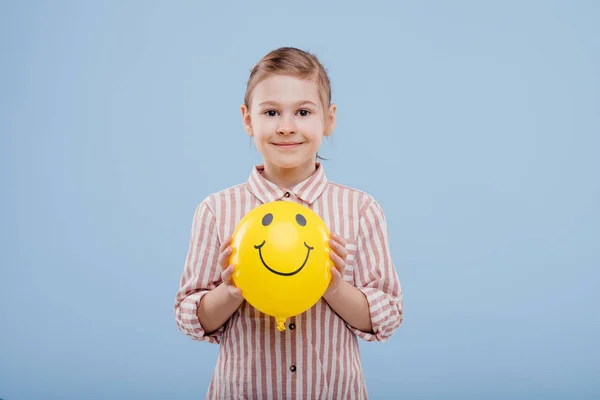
(376, 275)
(201, 274)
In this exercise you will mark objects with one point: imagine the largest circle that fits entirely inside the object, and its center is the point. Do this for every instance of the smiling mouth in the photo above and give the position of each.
(259, 248)
(287, 144)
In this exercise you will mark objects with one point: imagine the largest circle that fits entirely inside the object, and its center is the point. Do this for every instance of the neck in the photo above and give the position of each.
(289, 177)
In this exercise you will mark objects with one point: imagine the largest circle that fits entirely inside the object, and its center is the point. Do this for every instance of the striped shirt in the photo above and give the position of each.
(317, 356)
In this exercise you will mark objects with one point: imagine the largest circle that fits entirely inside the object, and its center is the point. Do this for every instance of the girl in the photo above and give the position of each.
(287, 110)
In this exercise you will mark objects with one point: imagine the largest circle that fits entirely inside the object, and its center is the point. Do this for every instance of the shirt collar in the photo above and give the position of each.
(266, 191)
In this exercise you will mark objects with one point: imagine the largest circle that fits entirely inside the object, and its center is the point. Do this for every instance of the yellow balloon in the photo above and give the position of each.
(281, 259)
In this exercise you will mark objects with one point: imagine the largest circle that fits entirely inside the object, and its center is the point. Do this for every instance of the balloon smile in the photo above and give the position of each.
(259, 248)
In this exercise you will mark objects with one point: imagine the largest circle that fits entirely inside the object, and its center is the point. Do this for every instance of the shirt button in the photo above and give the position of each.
(287, 194)
(293, 368)
(292, 326)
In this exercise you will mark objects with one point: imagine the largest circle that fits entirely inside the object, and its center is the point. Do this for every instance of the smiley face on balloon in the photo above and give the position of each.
(281, 259)
(292, 233)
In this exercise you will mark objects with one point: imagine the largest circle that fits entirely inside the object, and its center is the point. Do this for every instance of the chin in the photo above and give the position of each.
(289, 163)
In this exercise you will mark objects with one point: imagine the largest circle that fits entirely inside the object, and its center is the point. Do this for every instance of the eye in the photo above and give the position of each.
(271, 113)
(304, 113)
(267, 219)
(300, 219)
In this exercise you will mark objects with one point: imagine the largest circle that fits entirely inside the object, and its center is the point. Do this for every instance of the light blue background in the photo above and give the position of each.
(474, 124)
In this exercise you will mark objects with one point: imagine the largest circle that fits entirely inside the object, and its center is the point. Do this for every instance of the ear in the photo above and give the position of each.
(246, 120)
(330, 120)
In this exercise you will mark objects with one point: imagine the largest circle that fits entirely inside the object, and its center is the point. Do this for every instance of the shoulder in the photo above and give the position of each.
(224, 198)
(366, 202)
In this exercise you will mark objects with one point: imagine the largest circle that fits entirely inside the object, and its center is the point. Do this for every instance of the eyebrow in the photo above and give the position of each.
(298, 103)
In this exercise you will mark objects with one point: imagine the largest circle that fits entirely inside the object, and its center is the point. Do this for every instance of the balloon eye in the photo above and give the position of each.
(267, 219)
(300, 219)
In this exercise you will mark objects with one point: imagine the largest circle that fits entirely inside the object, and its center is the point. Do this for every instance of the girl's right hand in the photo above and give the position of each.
(227, 269)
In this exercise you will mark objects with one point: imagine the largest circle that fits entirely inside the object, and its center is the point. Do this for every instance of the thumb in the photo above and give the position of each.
(235, 292)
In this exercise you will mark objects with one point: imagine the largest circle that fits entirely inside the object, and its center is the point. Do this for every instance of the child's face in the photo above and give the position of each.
(287, 121)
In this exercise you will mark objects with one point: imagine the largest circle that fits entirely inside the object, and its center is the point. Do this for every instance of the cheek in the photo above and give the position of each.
(262, 127)
(312, 127)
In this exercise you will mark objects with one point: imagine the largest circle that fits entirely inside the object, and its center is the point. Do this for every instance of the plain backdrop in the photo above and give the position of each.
(476, 126)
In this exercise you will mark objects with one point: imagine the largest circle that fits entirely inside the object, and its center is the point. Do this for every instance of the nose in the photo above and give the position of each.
(286, 126)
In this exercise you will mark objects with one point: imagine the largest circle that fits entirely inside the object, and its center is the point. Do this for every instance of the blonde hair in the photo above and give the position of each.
(292, 62)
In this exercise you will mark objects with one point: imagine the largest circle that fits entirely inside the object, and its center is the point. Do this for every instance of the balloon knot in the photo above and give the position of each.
(281, 324)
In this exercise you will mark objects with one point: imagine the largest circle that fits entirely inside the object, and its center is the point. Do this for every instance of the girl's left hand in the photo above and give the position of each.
(338, 256)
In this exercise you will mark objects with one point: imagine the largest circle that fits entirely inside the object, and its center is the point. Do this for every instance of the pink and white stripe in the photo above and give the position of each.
(319, 358)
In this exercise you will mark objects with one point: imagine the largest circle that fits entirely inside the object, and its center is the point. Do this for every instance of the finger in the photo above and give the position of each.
(338, 261)
(335, 274)
(336, 279)
(224, 245)
(224, 257)
(227, 274)
(338, 239)
(338, 249)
